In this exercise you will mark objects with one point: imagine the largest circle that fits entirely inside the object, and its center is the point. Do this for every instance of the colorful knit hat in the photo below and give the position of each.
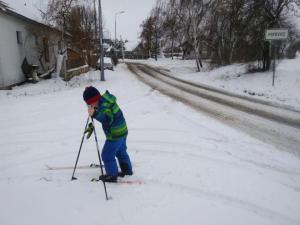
(91, 95)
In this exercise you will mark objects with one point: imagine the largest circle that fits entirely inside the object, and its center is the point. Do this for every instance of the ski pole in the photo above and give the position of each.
(100, 160)
(74, 178)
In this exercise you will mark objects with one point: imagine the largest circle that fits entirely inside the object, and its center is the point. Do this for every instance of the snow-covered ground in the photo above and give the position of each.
(195, 170)
(234, 78)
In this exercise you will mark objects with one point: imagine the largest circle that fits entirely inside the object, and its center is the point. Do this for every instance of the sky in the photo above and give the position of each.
(128, 23)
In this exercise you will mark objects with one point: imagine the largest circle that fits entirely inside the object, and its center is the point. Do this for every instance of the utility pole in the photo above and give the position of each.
(117, 13)
(101, 43)
(122, 48)
(95, 18)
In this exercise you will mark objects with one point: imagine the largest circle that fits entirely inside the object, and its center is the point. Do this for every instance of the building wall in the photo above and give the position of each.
(1, 73)
(13, 53)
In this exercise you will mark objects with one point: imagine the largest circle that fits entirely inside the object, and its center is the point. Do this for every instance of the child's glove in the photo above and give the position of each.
(89, 130)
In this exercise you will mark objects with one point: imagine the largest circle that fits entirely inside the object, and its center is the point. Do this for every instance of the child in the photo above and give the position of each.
(106, 110)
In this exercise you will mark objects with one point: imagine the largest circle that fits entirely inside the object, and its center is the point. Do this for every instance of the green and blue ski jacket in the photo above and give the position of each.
(111, 117)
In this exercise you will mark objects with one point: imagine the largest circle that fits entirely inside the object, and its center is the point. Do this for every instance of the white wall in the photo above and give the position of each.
(1, 73)
(12, 54)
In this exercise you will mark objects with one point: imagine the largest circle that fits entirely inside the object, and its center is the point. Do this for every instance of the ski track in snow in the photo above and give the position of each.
(265, 212)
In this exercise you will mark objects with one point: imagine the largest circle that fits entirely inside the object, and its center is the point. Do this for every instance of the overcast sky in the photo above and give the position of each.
(128, 23)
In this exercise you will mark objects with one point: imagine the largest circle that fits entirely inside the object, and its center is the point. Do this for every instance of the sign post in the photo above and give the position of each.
(273, 35)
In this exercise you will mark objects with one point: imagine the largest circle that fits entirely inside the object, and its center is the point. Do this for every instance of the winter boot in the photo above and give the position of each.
(109, 178)
(124, 170)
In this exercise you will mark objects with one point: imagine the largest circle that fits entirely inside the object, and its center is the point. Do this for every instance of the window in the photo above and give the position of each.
(19, 37)
(59, 45)
(46, 49)
(36, 39)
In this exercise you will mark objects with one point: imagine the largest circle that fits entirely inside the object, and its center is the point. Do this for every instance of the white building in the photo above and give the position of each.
(22, 37)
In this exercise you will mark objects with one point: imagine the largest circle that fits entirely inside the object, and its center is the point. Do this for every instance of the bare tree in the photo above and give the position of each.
(275, 14)
(156, 14)
(229, 30)
(192, 15)
(171, 24)
(237, 28)
(227, 25)
(147, 35)
(57, 14)
(80, 24)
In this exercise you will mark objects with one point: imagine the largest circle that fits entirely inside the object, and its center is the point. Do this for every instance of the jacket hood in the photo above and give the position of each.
(109, 97)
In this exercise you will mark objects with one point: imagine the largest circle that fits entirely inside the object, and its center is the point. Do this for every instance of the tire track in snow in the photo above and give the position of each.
(281, 135)
(37, 159)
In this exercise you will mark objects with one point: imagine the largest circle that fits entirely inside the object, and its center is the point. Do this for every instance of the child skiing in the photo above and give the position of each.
(105, 109)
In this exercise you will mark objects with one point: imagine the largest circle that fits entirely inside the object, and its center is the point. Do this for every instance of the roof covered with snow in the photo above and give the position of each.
(25, 8)
(3, 6)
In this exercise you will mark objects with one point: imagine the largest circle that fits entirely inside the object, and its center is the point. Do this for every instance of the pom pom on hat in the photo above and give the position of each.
(91, 95)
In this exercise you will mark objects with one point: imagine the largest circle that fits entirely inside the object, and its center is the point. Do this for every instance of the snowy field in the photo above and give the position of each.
(195, 170)
(234, 78)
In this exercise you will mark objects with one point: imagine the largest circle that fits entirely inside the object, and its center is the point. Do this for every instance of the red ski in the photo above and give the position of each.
(121, 181)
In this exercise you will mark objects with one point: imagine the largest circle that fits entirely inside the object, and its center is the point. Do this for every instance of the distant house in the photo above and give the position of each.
(20, 38)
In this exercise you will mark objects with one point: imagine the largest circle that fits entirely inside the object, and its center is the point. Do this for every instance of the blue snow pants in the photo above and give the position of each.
(110, 151)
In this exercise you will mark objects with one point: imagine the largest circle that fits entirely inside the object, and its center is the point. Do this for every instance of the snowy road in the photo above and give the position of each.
(196, 170)
(270, 123)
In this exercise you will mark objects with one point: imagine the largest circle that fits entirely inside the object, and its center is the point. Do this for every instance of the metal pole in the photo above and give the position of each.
(122, 46)
(100, 160)
(74, 178)
(116, 29)
(117, 13)
(95, 18)
(101, 43)
(274, 64)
